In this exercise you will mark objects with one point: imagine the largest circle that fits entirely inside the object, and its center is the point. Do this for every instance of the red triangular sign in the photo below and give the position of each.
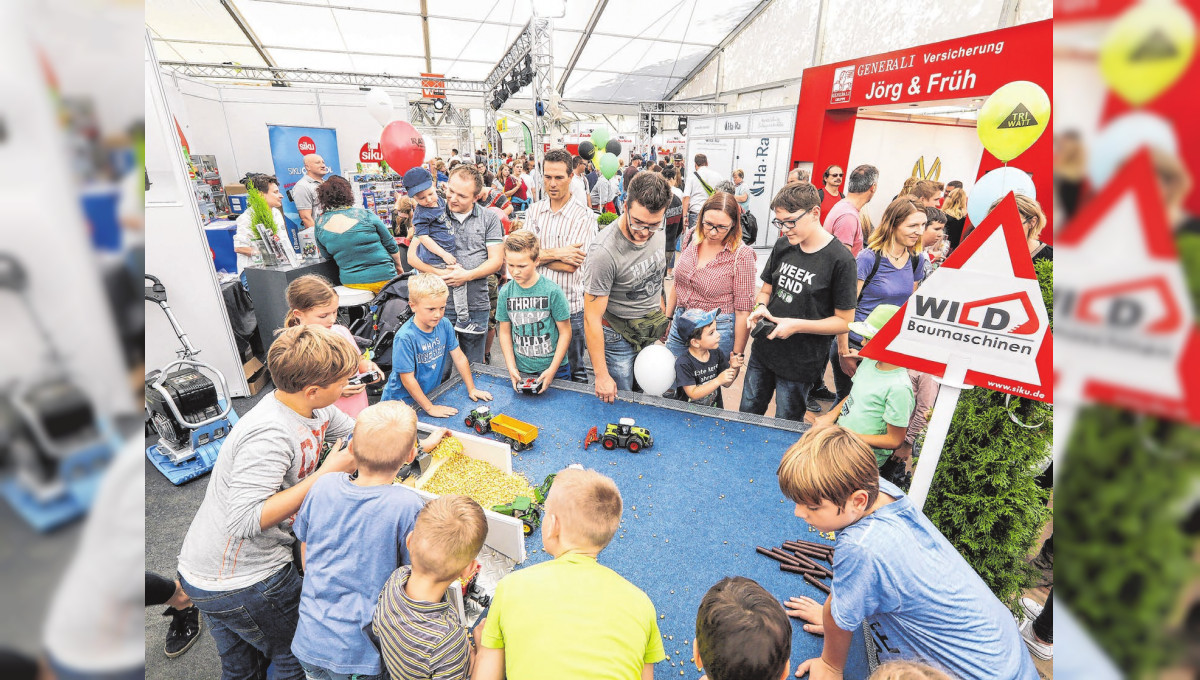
(1125, 319)
(982, 306)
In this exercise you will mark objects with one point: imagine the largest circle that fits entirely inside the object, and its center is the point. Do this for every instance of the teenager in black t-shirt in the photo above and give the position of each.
(809, 291)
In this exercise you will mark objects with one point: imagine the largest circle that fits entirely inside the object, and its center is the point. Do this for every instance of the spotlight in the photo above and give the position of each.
(653, 130)
(439, 105)
(682, 125)
(513, 85)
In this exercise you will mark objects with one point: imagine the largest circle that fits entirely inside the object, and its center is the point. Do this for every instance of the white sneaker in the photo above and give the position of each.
(1031, 608)
(1041, 650)
(471, 328)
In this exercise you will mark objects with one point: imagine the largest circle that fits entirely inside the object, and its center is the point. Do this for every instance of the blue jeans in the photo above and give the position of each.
(619, 356)
(679, 345)
(790, 396)
(577, 350)
(472, 344)
(254, 626)
(317, 673)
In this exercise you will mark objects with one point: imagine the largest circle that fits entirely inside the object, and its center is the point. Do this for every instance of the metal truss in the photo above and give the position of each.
(535, 42)
(424, 116)
(302, 75)
(648, 112)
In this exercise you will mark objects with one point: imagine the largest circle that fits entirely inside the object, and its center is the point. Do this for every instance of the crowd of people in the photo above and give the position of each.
(579, 303)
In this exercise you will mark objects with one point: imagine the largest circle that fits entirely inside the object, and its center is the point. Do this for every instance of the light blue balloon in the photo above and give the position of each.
(994, 186)
(1122, 137)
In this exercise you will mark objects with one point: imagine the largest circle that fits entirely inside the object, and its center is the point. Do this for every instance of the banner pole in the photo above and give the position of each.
(952, 386)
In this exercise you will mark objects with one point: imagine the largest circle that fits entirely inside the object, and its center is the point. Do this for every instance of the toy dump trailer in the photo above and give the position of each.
(517, 434)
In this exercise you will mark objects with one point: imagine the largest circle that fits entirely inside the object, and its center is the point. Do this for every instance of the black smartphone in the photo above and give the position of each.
(366, 378)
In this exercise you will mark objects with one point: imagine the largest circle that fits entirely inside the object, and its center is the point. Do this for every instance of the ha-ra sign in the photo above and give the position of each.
(979, 320)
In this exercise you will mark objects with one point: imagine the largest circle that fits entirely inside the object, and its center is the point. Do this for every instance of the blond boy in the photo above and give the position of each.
(419, 631)
(534, 317)
(571, 617)
(893, 569)
(421, 348)
(236, 560)
(352, 534)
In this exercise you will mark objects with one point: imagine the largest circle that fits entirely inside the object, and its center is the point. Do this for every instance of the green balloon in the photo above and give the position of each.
(600, 137)
(608, 165)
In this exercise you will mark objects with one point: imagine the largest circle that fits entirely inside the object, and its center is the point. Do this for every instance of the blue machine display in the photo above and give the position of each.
(184, 407)
(54, 447)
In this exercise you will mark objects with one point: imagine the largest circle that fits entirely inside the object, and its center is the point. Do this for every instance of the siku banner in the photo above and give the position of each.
(289, 146)
(1124, 315)
(983, 305)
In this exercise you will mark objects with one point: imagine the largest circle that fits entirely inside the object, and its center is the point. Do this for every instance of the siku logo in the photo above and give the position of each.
(306, 145)
(1144, 305)
(370, 154)
(995, 314)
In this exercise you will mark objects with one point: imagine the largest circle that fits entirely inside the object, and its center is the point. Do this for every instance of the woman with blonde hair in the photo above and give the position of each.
(1033, 221)
(955, 208)
(889, 269)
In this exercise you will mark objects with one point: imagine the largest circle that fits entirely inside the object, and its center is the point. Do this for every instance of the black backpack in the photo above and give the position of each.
(386, 313)
(749, 227)
(914, 261)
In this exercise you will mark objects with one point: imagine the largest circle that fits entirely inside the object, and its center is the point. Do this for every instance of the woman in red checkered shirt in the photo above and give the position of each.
(715, 270)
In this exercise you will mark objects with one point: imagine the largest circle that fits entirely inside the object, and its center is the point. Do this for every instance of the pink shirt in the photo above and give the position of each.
(708, 287)
(353, 404)
(842, 222)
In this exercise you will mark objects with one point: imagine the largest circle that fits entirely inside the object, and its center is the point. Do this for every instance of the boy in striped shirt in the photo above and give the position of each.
(418, 631)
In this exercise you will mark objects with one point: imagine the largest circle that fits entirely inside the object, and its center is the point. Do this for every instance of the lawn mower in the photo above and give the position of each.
(184, 407)
(54, 447)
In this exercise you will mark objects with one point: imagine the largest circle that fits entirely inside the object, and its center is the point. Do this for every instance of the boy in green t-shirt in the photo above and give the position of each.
(534, 316)
(571, 617)
(881, 401)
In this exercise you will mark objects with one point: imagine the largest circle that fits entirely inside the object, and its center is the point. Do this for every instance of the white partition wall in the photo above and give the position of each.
(177, 252)
(759, 143)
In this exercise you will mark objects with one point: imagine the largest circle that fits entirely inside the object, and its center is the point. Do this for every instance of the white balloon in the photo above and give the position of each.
(430, 147)
(994, 186)
(654, 369)
(379, 105)
(1122, 137)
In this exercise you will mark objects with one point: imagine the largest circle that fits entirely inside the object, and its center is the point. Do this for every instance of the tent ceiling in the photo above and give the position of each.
(638, 51)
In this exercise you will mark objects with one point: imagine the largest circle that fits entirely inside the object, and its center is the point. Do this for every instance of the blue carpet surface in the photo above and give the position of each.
(696, 504)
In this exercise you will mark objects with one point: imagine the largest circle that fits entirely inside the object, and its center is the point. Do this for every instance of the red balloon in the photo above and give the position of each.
(402, 146)
(504, 221)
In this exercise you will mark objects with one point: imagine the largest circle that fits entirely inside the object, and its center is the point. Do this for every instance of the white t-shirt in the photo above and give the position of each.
(695, 190)
(579, 191)
(243, 236)
(530, 187)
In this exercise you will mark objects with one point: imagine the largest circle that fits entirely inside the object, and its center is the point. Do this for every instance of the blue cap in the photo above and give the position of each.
(693, 320)
(417, 180)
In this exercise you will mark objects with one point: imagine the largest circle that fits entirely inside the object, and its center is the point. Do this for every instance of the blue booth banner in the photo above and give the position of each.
(289, 145)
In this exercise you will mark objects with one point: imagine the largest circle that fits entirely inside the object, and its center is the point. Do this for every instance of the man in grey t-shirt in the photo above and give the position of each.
(624, 269)
(304, 194)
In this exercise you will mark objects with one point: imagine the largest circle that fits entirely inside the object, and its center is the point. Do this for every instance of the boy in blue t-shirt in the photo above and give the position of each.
(420, 349)
(534, 316)
(893, 569)
(352, 535)
(435, 234)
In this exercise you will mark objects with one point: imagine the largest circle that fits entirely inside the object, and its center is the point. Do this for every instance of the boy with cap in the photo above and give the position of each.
(435, 234)
(881, 400)
(703, 369)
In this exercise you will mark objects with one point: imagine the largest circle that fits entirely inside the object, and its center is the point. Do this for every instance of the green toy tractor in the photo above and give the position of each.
(626, 435)
(524, 509)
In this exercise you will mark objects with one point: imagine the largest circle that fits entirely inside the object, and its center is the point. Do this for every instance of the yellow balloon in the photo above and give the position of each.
(1013, 118)
(1147, 49)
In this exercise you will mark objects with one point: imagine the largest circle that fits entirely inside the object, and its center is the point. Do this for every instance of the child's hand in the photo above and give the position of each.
(736, 361)
(340, 458)
(515, 377)
(371, 366)
(351, 390)
(434, 438)
(728, 376)
(817, 669)
(439, 411)
(477, 394)
(808, 610)
(546, 378)
(849, 363)
(450, 260)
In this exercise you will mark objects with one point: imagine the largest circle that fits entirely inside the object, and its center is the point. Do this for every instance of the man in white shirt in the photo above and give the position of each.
(579, 187)
(268, 186)
(697, 187)
(565, 230)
